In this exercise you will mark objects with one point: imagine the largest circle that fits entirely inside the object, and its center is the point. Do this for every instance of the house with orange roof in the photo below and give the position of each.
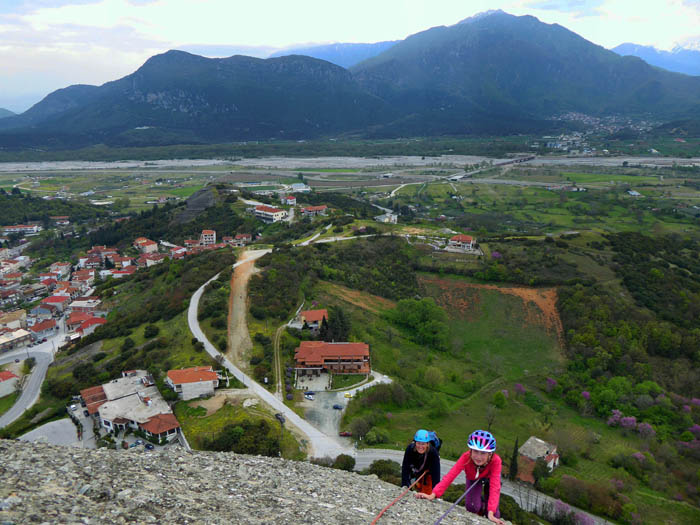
(8, 383)
(61, 302)
(289, 200)
(313, 318)
(43, 329)
(207, 237)
(269, 214)
(311, 211)
(75, 319)
(315, 357)
(90, 325)
(145, 245)
(190, 383)
(461, 242)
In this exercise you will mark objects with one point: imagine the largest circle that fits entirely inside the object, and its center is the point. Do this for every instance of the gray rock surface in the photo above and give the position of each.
(49, 484)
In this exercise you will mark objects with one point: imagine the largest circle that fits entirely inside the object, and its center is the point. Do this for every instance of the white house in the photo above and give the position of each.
(191, 383)
(269, 213)
(461, 242)
(8, 383)
(207, 238)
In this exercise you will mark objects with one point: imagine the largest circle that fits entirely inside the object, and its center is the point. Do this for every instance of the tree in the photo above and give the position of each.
(344, 462)
(513, 471)
(541, 471)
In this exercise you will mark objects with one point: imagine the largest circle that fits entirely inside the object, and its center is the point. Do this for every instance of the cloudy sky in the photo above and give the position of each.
(49, 44)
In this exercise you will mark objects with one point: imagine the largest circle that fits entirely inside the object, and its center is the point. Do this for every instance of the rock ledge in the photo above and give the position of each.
(49, 484)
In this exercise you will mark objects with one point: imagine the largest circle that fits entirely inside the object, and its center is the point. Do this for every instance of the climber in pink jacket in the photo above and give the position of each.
(481, 466)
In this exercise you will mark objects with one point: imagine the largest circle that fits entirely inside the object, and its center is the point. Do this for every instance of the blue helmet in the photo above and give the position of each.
(482, 440)
(422, 436)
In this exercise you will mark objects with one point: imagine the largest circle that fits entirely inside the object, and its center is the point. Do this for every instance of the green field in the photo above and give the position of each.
(592, 178)
(7, 402)
(198, 426)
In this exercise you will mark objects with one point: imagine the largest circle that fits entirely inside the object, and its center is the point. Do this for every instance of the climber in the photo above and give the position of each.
(481, 466)
(422, 458)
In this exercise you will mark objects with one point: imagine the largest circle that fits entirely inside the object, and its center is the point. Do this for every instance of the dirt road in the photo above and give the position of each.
(239, 342)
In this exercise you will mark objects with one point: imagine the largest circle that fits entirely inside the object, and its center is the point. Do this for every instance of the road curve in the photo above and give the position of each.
(32, 389)
(321, 445)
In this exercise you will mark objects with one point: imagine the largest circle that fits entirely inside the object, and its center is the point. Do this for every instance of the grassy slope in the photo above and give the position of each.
(7, 402)
(494, 344)
(197, 425)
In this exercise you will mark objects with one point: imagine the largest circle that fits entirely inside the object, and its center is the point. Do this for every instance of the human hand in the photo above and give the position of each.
(421, 495)
(495, 519)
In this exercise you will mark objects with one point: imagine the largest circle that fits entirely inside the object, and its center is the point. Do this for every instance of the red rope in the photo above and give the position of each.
(397, 499)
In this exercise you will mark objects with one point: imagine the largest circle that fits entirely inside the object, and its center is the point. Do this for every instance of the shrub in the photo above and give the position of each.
(344, 462)
(151, 331)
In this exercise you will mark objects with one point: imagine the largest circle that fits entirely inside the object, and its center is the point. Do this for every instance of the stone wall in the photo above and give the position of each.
(50, 484)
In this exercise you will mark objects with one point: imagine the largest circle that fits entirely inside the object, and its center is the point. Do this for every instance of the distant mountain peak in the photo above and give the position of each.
(483, 14)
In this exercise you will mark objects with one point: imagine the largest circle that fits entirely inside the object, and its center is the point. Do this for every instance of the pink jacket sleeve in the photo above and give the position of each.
(494, 483)
(447, 480)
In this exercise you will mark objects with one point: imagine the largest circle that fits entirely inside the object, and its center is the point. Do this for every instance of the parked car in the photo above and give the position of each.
(133, 445)
(345, 433)
(86, 413)
(139, 442)
(280, 417)
(309, 397)
(310, 393)
(338, 407)
(74, 407)
(149, 446)
(348, 395)
(16, 360)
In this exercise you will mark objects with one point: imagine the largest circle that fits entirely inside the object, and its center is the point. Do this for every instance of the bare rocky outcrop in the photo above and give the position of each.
(50, 484)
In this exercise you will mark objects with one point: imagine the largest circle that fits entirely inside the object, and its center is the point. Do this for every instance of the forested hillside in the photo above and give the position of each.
(19, 208)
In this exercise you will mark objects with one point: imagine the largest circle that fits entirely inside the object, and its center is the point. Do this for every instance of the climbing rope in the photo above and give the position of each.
(457, 502)
(397, 499)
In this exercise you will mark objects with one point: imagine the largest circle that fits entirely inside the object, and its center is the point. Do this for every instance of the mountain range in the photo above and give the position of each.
(490, 74)
(5, 113)
(679, 59)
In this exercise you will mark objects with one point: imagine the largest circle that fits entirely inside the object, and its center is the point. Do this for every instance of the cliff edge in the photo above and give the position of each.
(49, 484)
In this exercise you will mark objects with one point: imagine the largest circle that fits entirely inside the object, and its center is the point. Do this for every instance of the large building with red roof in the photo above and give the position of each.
(132, 401)
(314, 357)
(269, 213)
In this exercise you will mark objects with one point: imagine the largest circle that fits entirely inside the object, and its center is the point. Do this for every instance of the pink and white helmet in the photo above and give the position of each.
(482, 440)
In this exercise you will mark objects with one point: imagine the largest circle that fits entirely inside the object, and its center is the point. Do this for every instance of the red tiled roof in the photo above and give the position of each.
(160, 423)
(461, 238)
(52, 299)
(94, 397)
(90, 322)
(44, 325)
(78, 317)
(208, 232)
(316, 352)
(315, 208)
(6, 375)
(244, 236)
(313, 316)
(268, 209)
(192, 375)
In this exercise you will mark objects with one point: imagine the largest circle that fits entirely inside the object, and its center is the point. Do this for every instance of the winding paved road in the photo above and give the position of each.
(43, 354)
(321, 445)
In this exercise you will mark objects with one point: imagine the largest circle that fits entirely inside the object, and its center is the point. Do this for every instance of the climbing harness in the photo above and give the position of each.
(439, 520)
(397, 499)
